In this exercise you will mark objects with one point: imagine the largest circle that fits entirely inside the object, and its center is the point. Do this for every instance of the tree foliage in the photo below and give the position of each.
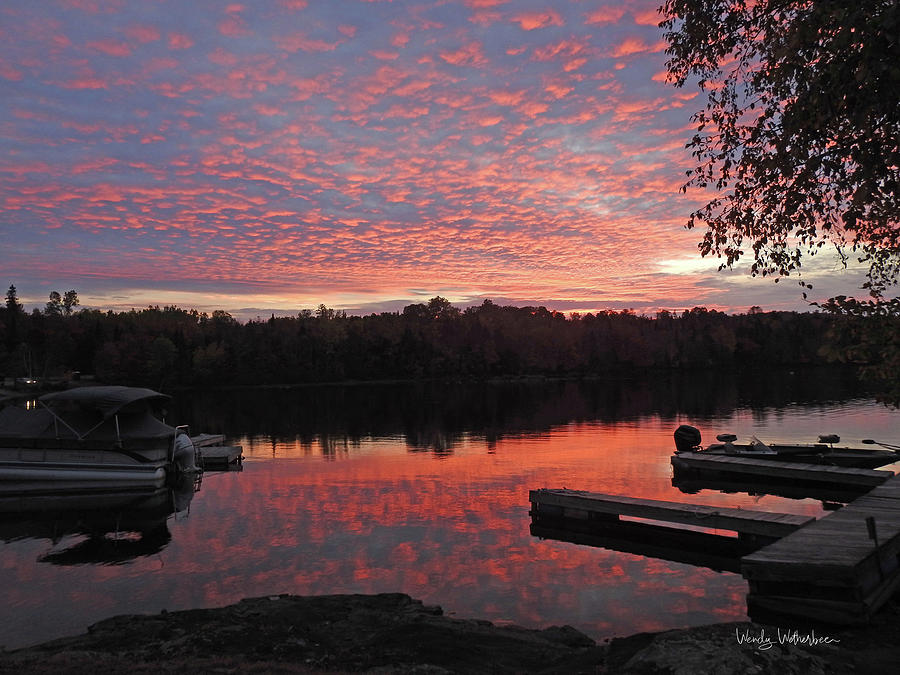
(169, 346)
(867, 332)
(799, 136)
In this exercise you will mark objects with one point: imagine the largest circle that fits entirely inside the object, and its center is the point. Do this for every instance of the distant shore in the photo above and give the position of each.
(393, 633)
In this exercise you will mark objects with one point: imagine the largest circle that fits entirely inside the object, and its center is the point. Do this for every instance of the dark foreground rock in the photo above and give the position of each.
(390, 633)
(393, 633)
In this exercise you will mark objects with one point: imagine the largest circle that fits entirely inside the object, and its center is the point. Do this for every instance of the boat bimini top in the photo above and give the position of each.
(102, 414)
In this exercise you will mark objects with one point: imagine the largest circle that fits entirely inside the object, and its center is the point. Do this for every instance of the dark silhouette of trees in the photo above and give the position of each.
(867, 333)
(169, 346)
(61, 304)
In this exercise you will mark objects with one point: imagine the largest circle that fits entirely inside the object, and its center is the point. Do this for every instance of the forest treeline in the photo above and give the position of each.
(170, 346)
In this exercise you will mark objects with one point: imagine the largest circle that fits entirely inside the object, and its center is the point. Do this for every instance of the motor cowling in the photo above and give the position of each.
(687, 438)
(185, 454)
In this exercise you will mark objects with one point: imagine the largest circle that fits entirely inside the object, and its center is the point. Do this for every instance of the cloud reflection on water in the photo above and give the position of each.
(355, 507)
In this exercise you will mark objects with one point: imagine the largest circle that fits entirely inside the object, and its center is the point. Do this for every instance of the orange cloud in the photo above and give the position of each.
(605, 15)
(535, 20)
(563, 48)
(630, 46)
(649, 17)
(510, 98)
(470, 54)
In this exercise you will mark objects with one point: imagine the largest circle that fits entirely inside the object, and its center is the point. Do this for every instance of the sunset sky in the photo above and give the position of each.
(270, 155)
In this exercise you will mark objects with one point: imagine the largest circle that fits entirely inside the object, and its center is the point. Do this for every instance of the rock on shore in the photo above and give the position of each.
(393, 633)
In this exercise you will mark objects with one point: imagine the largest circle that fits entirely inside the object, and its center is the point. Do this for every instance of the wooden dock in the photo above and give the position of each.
(203, 440)
(575, 504)
(215, 456)
(841, 568)
(796, 473)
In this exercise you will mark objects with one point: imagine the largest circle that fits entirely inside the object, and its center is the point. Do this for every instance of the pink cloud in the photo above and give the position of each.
(61, 41)
(222, 58)
(469, 55)
(84, 83)
(558, 90)
(268, 110)
(634, 45)
(510, 98)
(533, 108)
(649, 17)
(300, 42)
(233, 25)
(143, 34)
(535, 20)
(606, 14)
(9, 73)
(490, 121)
(180, 41)
(110, 47)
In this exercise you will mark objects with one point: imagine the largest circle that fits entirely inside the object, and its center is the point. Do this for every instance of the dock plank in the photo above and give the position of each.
(836, 551)
(712, 517)
(818, 473)
(203, 440)
(220, 456)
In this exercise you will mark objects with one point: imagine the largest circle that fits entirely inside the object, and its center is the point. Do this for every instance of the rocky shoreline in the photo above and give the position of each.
(394, 633)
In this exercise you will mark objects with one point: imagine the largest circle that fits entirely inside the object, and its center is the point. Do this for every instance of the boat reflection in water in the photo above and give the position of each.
(831, 497)
(106, 527)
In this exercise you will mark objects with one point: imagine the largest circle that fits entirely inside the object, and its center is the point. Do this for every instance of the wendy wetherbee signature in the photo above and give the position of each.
(763, 640)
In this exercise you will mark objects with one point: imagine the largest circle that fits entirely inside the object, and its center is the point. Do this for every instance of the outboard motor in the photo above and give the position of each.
(185, 454)
(687, 438)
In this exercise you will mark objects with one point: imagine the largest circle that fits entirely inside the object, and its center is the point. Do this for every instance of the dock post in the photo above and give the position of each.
(873, 535)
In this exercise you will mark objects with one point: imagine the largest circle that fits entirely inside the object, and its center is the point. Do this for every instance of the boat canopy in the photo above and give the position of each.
(109, 400)
(98, 414)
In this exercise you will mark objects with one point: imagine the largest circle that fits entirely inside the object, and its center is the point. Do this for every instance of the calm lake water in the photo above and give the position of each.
(421, 489)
